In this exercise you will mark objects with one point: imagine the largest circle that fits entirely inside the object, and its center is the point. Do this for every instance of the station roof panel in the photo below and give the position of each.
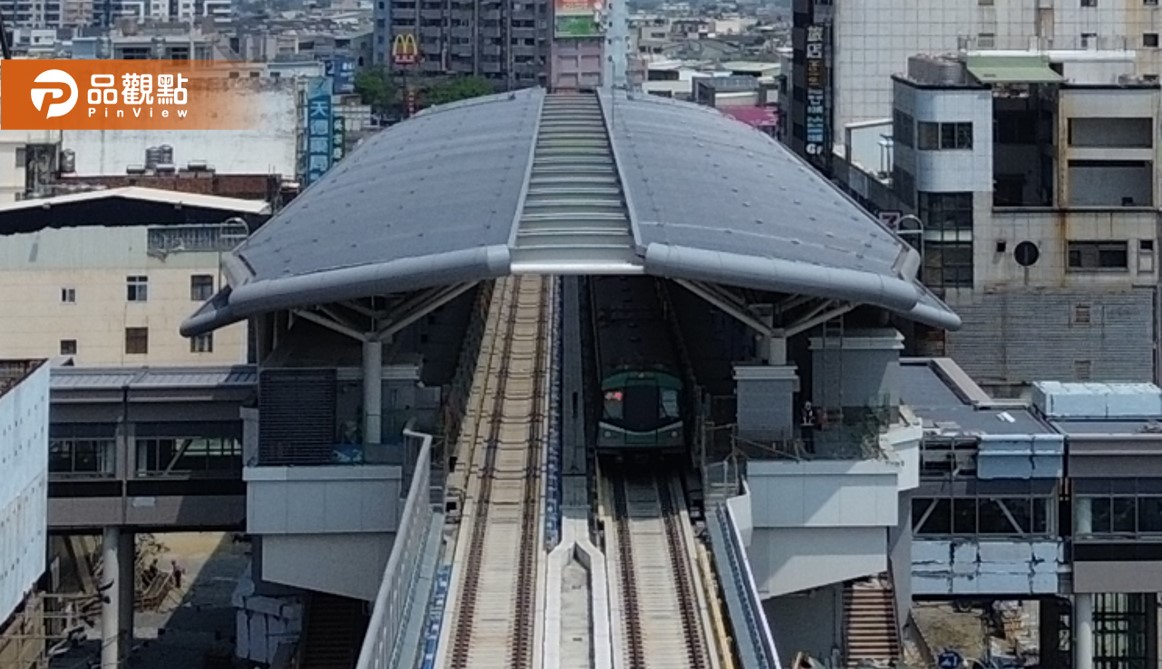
(448, 179)
(438, 200)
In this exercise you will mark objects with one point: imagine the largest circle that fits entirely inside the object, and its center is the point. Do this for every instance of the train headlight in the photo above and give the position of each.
(674, 433)
(607, 434)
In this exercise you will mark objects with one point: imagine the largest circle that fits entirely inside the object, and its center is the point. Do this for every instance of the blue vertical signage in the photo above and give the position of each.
(320, 129)
(341, 69)
(816, 116)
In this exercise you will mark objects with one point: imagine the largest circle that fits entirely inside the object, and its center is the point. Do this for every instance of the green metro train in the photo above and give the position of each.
(643, 402)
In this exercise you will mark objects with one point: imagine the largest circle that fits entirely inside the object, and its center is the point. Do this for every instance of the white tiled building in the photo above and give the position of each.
(872, 39)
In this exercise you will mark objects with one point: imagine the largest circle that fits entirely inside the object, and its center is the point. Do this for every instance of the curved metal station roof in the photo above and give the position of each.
(527, 182)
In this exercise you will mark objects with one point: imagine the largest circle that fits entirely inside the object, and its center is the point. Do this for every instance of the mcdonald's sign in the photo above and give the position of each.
(404, 50)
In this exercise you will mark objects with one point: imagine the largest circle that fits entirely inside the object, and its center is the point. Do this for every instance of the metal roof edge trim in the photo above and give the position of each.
(404, 274)
(605, 101)
(781, 276)
(524, 188)
(236, 269)
(931, 315)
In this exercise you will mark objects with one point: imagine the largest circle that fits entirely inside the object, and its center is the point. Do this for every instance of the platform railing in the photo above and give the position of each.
(397, 592)
(756, 644)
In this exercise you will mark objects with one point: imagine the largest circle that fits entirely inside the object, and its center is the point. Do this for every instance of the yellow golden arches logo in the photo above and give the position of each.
(404, 50)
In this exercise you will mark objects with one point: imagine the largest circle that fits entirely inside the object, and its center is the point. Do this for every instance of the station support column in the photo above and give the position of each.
(117, 592)
(1082, 631)
(372, 392)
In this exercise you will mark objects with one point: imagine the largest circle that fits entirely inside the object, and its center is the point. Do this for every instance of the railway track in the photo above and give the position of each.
(498, 551)
(659, 615)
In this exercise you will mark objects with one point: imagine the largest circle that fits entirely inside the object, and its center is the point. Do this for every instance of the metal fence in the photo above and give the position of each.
(397, 592)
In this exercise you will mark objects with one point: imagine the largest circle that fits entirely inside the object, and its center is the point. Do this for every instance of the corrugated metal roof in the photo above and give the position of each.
(1013, 70)
(94, 378)
(436, 200)
(231, 204)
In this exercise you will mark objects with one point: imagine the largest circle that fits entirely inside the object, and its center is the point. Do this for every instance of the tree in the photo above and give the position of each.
(376, 88)
(459, 88)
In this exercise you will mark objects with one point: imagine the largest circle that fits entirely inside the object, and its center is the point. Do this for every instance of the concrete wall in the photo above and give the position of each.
(313, 518)
(796, 559)
(23, 487)
(1002, 341)
(821, 494)
(941, 567)
(268, 148)
(348, 564)
(94, 263)
(323, 500)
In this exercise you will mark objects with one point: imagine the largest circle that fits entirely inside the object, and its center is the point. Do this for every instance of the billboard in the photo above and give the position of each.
(816, 69)
(341, 69)
(320, 129)
(577, 18)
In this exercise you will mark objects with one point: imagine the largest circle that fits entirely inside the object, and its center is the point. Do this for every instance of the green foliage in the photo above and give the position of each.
(376, 88)
(459, 88)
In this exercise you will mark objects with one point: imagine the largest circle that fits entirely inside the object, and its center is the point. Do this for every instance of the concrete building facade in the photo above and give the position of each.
(504, 41)
(1034, 179)
(113, 291)
(870, 41)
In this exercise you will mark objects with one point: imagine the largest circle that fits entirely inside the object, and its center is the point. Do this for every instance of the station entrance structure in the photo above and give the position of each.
(565, 184)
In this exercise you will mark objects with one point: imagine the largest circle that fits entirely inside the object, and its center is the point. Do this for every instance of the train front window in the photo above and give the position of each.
(670, 407)
(641, 408)
(613, 404)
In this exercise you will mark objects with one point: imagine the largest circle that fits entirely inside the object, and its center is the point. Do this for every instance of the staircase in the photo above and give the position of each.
(335, 629)
(869, 621)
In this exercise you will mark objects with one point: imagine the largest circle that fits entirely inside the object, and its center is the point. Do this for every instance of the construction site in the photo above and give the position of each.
(182, 610)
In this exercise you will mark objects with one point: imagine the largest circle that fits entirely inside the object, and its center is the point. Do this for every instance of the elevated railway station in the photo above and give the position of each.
(426, 405)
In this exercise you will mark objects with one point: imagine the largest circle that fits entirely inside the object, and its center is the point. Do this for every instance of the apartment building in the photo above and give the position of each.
(1034, 181)
(865, 43)
(505, 41)
(113, 289)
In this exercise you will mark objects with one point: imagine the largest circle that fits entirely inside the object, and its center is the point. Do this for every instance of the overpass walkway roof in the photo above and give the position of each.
(451, 196)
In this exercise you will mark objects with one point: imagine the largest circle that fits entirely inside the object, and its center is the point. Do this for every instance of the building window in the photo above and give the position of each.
(903, 128)
(944, 136)
(137, 288)
(68, 295)
(945, 211)
(1150, 40)
(1088, 38)
(137, 341)
(203, 343)
(201, 287)
(986, 40)
(982, 516)
(68, 347)
(948, 265)
(1098, 256)
(1082, 370)
(1089, 3)
(1150, 3)
(81, 456)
